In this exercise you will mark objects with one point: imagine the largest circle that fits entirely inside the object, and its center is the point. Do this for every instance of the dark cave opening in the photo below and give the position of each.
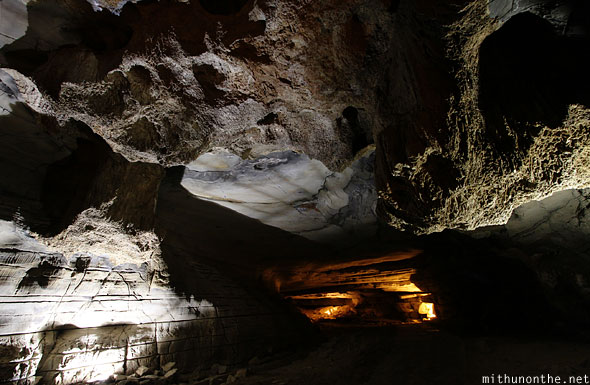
(94, 38)
(354, 130)
(530, 74)
(68, 182)
(225, 7)
(269, 119)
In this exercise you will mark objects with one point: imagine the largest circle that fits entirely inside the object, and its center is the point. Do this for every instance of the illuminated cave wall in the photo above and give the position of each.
(84, 319)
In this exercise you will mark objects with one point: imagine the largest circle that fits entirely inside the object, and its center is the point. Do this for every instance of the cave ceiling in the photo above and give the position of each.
(465, 109)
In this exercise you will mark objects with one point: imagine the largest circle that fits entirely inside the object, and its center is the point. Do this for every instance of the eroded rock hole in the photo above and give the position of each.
(69, 181)
(354, 130)
(211, 80)
(92, 40)
(269, 119)
(529, 74)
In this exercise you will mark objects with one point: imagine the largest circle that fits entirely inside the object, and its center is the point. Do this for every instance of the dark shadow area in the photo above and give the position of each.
(353, 130)
(494, 315)
(271, 118)
(40, 275)
(27, 148)
(192, 228)
(223, 7)
(392, 5)
(211, 249)
(211, 81)
(530, 74)
(247, 51)
(94, 174)
(51, 173)
(578, 24)
(361, 132)
(64, 33)
(69, 181)
(477, 286)
(483, 286)
(67, 41)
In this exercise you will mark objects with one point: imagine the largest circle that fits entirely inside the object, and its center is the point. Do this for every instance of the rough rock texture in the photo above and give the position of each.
(515, 128)
(551, 237)
(84, 319)
(444, 89)
(289, 191)
(145, 130)
(54, 172)
(185, 83)
(567, 16)
(561, 219)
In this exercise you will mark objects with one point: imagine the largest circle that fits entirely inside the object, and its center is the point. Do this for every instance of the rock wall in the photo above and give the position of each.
(443, 89)
(66, 321)
(292, 192)
(513, 126)
(551, 237)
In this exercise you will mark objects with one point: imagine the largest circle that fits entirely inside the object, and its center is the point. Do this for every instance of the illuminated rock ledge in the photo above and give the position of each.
(290, 191)
(83, 319)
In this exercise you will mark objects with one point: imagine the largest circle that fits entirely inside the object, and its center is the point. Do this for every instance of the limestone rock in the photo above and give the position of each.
(167, 367)
(241, 373)
(112, 311)
(170, 373)
(142, 370)
(290, 191)
(158, 158)
(14, 20)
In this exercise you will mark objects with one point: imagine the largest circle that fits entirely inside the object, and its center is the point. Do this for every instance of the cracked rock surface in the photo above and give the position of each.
(290, 191)
(82, 318)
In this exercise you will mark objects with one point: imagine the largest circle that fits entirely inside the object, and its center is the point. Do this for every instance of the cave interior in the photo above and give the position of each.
(294, 192)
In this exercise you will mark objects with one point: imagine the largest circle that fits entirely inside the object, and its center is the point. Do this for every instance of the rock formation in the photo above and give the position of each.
(163, 163)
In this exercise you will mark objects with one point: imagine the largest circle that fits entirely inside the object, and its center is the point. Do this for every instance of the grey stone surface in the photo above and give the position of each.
(561, 220)
(14, 237)
(291, 191)
(552, 237)
(556, 12)
(84, 319)
(13, 20)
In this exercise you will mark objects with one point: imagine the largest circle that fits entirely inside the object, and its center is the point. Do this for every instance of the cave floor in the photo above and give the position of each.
(420, 354)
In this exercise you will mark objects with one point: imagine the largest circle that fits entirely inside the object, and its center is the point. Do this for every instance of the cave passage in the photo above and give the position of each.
(530, 74)
(374, 291)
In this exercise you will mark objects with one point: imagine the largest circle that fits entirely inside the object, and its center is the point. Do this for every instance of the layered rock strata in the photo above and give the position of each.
(82, 319)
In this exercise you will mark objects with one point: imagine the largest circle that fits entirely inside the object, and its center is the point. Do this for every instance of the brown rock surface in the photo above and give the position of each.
(164, 82)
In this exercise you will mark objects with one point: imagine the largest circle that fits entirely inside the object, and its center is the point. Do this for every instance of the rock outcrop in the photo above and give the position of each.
(292, 192)
(83, 319)
(514, 127)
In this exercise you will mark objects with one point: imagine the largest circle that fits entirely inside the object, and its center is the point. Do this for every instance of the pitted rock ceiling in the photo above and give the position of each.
(439, 88)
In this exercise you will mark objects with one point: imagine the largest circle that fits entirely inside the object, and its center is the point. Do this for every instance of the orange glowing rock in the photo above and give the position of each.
(427, 309)
(328, 312)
